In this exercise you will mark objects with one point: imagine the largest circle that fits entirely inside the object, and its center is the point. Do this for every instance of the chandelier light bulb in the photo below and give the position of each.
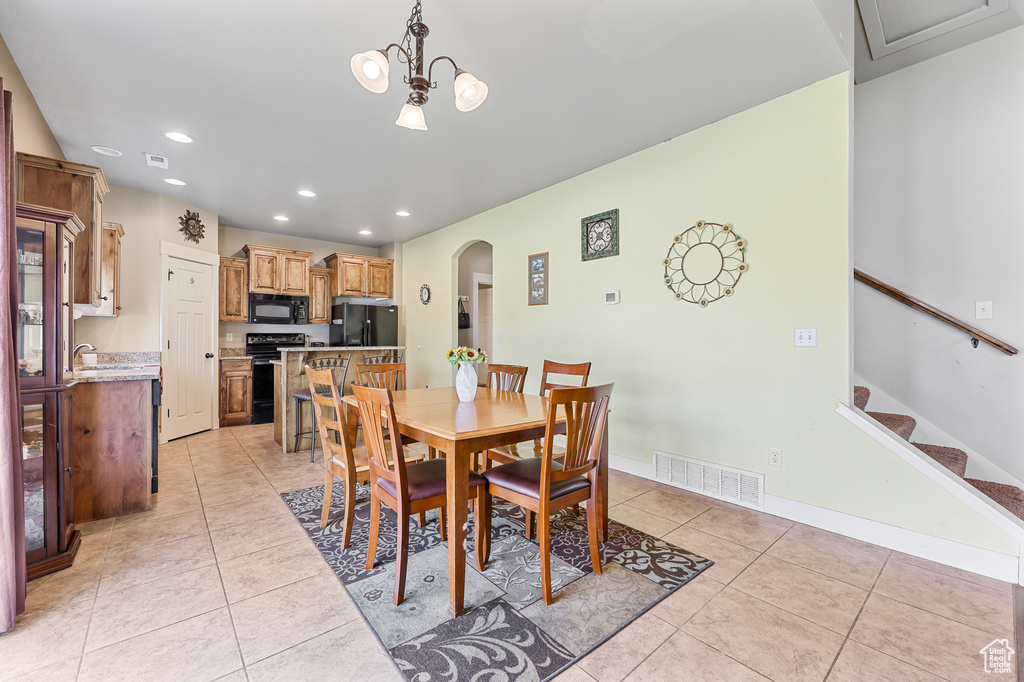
(412, 117)
(470, 92)
(371, 70)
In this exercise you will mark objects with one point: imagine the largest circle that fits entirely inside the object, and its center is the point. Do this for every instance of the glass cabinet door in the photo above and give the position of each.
(31, 309)
(33, 450)
(67, 309)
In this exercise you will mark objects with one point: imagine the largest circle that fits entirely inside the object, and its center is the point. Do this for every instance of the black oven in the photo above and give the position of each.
(277, 309)
(265, 351)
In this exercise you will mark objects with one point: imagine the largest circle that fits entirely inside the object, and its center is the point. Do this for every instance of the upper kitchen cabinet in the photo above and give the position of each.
(361, 275)
(71, 187)
(320, 295)
(110, 273)
(234, 289)
(278, 271)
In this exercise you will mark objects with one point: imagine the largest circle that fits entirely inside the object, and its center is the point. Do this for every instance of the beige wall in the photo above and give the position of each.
(724, 383)
(147, 218)
(32, 134)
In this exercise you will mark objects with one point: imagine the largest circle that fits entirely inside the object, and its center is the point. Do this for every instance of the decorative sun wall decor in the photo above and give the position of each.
(705, 263)
(192, 226)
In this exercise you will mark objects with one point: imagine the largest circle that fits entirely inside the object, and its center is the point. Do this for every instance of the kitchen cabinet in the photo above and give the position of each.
(77, 188)
(278, 271)
(361, 275)
(234, 289)
(320, 295)
(112, 435)
(235, 391)
(110, 273)
(44, 262)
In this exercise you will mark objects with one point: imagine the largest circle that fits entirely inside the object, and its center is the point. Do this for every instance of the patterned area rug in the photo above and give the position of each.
(506, 632)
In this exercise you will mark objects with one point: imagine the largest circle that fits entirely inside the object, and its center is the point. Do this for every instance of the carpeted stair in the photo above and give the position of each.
(1009, 497)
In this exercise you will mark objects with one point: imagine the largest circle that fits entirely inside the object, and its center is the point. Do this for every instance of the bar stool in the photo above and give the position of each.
(391, 356)
(339, 368)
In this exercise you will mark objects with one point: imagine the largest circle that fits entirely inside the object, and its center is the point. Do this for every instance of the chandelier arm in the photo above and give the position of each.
(430, 72)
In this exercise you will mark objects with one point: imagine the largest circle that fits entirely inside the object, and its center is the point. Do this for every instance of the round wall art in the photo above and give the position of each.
(705, 263)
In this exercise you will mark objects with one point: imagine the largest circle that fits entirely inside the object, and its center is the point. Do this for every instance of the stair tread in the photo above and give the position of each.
(953, 459)
(860, 396)
(1010, 497)
(900, 424)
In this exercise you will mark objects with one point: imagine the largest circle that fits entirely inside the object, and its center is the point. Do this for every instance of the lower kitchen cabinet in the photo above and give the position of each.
(235, 391)
(112, 430)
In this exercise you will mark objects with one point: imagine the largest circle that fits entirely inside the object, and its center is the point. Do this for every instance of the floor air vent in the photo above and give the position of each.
(723, 483)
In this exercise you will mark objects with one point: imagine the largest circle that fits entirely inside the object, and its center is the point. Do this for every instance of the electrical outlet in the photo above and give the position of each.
(983, 310)
(499, 338)
(230, 336)
(775, 457)
(806, 337)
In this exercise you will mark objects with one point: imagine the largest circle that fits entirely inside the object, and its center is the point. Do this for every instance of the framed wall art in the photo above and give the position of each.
(599, 236)
(537, 272)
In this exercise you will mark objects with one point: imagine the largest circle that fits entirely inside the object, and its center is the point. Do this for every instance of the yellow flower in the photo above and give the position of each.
(483, 356)
(471, 355)
(449, 354)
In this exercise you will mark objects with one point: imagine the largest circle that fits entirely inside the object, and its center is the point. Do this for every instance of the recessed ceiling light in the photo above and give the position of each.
(172, 181)
(282, 218)
(306, 193)
(365, 232)
(178, 137)
(106, 151)
(404, 214)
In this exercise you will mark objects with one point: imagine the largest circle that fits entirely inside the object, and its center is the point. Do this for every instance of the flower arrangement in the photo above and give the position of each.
(464, 354)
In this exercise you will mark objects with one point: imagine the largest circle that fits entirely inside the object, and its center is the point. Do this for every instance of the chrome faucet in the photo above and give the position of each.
(74, 353)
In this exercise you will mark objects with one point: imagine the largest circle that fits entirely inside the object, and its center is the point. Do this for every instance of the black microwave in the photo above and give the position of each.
(277, 309)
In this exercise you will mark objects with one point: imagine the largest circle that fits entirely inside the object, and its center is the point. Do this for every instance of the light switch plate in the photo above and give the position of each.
(805, 337)
(229, 336)
(499, 338)
(983, 310)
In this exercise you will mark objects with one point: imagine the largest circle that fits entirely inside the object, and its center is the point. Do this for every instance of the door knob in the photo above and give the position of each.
(209, 355)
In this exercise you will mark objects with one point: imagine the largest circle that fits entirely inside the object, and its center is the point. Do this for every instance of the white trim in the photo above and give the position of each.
(171, 250)
(946, 479)
(474, 307)
(986, 562)
(1006, 567)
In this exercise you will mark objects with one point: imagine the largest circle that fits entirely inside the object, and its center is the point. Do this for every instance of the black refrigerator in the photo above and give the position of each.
(359, 324)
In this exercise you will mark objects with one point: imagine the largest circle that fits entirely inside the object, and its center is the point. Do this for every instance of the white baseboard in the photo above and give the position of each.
(1005, 567)
(974, 559)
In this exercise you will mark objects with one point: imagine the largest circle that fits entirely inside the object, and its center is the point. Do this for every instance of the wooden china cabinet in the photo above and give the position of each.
(45, 260)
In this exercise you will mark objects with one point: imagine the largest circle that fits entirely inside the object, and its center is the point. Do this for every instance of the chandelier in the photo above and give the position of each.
(371, 70)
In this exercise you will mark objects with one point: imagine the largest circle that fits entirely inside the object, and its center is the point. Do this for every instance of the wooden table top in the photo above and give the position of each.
(439, 412)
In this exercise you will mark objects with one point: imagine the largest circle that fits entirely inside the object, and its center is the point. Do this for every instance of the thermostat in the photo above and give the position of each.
(611, 297)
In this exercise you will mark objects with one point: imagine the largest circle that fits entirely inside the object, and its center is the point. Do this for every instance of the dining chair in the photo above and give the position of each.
(506, 377)
(382, 375)
(339, 367)
(408, 488)
(341, 457)
(544, 486)
(552, 371)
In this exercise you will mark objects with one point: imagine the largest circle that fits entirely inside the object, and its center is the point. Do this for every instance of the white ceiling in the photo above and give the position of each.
(265, 90)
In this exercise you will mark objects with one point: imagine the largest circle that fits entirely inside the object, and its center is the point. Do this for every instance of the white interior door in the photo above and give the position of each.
(188, 358)
(482, 335)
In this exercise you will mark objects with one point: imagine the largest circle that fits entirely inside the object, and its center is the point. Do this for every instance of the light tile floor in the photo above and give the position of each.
(219, 581)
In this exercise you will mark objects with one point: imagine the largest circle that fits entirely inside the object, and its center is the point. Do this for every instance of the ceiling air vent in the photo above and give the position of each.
(723, 483)
(156, 161)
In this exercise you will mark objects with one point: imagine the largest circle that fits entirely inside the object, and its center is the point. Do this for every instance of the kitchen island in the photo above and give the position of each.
(290, 377)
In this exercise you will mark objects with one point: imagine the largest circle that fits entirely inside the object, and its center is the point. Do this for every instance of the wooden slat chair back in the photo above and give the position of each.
(390, 375)
(543, 486)
(547, 382)
(408, 490)
(506, 377)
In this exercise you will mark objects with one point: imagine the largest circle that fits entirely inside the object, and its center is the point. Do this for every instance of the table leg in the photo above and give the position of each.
(457, 469)
(602, 487)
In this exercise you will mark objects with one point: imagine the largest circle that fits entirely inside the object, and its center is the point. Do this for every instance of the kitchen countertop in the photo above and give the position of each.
(119, 366)
(353, 349)
(233, 353)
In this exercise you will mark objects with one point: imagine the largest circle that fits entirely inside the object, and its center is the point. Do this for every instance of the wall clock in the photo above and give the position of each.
(191, 226)
(705, 262)
(424, 294)
(599, 236)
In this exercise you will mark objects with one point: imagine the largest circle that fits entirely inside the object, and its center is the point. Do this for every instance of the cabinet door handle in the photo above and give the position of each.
(67, 469)
(66, 304)
(118, 308)
(103, 298)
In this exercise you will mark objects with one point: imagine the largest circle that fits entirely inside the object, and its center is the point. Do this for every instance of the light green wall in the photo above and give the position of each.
(723, 383)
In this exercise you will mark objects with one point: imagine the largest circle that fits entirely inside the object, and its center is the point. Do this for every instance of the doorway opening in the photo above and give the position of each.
(476, 296)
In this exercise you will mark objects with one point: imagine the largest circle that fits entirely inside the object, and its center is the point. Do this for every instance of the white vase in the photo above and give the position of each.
(466, 381)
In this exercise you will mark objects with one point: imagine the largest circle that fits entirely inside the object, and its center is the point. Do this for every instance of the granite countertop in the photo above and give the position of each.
(118, 366)
(233, 353)
(353, 349)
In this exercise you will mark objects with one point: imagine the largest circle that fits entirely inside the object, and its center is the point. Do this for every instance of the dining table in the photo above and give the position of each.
(437, 418)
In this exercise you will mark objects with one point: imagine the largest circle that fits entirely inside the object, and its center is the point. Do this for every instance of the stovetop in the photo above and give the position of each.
(267, 344)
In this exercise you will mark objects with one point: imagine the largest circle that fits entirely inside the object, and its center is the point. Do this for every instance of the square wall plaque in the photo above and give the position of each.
(599, 236)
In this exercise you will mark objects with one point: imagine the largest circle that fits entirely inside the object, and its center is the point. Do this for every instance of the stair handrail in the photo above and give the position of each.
(906, 299)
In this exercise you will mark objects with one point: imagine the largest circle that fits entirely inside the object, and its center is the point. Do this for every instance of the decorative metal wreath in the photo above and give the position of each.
(192, 226)
(707, 280)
